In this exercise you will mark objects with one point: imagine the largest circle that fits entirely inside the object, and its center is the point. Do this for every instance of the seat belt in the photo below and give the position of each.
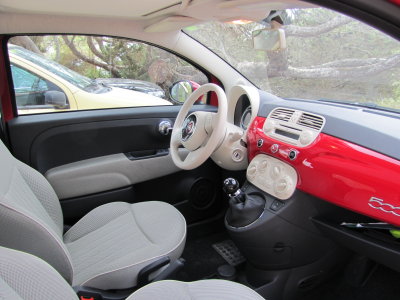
(3, 137)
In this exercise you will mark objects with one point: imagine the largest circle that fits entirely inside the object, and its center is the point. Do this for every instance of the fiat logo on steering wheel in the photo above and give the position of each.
(188, 127)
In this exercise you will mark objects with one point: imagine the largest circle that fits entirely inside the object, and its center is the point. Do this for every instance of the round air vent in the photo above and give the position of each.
(202, 194)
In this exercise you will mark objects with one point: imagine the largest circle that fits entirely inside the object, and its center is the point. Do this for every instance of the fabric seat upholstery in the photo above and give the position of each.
(106, 249)
(210, 289)
(123, 239)
(26, 277)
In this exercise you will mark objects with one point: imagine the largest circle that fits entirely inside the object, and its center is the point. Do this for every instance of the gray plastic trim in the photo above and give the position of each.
(105, 173)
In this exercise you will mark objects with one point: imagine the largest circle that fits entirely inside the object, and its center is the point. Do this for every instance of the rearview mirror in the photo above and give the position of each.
(269, 39)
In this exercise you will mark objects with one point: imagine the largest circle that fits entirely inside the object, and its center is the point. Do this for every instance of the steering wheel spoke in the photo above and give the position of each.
(193, 156)
(176, 137)
(209, 122)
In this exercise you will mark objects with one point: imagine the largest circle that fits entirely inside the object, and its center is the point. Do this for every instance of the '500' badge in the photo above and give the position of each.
(377, 203)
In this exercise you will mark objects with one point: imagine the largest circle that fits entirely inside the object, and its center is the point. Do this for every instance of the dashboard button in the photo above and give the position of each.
(276, 205)
(292, 154)
(251, 172)
(276, 171)
(263, 165)
(281, 185)
(274, 148)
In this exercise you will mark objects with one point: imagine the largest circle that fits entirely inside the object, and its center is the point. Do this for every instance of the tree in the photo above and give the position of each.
(25, 42)
(100, 59)
(344, 68)
(328, 55)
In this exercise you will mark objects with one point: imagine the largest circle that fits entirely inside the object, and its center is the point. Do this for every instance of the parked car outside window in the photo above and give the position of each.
(60, 74)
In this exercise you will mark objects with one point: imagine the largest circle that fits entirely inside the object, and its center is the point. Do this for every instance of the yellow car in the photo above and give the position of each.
(42, 85)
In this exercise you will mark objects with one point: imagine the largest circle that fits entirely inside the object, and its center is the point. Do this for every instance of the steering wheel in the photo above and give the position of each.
(199, 132)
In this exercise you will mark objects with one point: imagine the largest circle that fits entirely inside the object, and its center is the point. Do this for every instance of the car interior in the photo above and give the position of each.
(187, 150)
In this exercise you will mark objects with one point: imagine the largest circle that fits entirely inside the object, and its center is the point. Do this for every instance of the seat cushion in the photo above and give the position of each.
(112, 243)
(210, 289)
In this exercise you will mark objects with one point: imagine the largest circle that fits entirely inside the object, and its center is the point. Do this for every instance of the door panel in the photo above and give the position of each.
(108, 172)
(46, 141)
(196, 194)
(96, 157)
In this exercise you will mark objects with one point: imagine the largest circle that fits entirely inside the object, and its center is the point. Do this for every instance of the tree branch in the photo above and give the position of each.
(114, 71)
(94, 50)
(349, 62)
(346, 68)
(100, 42)
(25, 42)
(345, 72)
(293, 30)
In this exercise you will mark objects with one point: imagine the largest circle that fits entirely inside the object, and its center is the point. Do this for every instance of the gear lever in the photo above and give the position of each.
(231, 188)
(243, 208)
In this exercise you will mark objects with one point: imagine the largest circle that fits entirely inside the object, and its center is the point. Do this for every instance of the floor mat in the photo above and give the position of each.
(228, 250)
(202, 260)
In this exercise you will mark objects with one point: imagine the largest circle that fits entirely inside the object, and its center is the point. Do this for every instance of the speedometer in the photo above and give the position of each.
(246, 117)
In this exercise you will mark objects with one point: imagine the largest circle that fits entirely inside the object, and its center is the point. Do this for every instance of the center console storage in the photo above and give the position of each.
(376, 244)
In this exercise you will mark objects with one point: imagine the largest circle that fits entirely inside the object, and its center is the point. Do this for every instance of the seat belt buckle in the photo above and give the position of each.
(89, 296)
(86, 298)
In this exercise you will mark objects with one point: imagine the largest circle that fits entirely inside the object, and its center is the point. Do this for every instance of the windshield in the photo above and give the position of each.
(313, 54)
(55, 68)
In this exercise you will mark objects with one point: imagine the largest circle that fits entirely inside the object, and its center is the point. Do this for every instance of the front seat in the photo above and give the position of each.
(106, 249)
(26, 277)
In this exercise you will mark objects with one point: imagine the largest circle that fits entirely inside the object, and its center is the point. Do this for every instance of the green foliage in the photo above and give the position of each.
(106, 57)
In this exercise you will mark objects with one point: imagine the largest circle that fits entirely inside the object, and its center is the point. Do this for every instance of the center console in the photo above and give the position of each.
(270, 222)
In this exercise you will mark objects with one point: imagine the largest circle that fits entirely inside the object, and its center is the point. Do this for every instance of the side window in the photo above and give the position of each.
(100, 72)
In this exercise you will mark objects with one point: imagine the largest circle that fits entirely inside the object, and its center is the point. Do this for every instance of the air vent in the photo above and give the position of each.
(311, 121)
(282, 114)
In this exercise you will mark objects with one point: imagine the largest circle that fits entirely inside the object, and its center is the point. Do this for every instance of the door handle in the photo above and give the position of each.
(144, 154)
(165, 127)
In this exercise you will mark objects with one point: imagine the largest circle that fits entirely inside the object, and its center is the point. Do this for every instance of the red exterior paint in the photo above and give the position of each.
(340, 172)
(213, 97)
(6, 105)
(395, 1)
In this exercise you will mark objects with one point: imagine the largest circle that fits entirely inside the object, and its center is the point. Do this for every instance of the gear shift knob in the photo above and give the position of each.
(231, 187)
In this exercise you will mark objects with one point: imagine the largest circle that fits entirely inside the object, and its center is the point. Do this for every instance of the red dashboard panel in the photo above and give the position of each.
(340, 172)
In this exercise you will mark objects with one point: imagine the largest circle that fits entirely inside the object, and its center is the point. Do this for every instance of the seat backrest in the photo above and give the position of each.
(24, 276)
(31, 219)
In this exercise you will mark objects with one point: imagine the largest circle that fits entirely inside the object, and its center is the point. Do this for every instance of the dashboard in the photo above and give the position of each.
(344, 155)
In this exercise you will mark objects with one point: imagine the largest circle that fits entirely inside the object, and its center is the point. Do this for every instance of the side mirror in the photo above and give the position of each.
(269, 39)
(180, 90)
(56, 99)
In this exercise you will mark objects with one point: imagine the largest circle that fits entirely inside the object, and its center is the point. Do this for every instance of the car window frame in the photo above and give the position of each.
(210, 77)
